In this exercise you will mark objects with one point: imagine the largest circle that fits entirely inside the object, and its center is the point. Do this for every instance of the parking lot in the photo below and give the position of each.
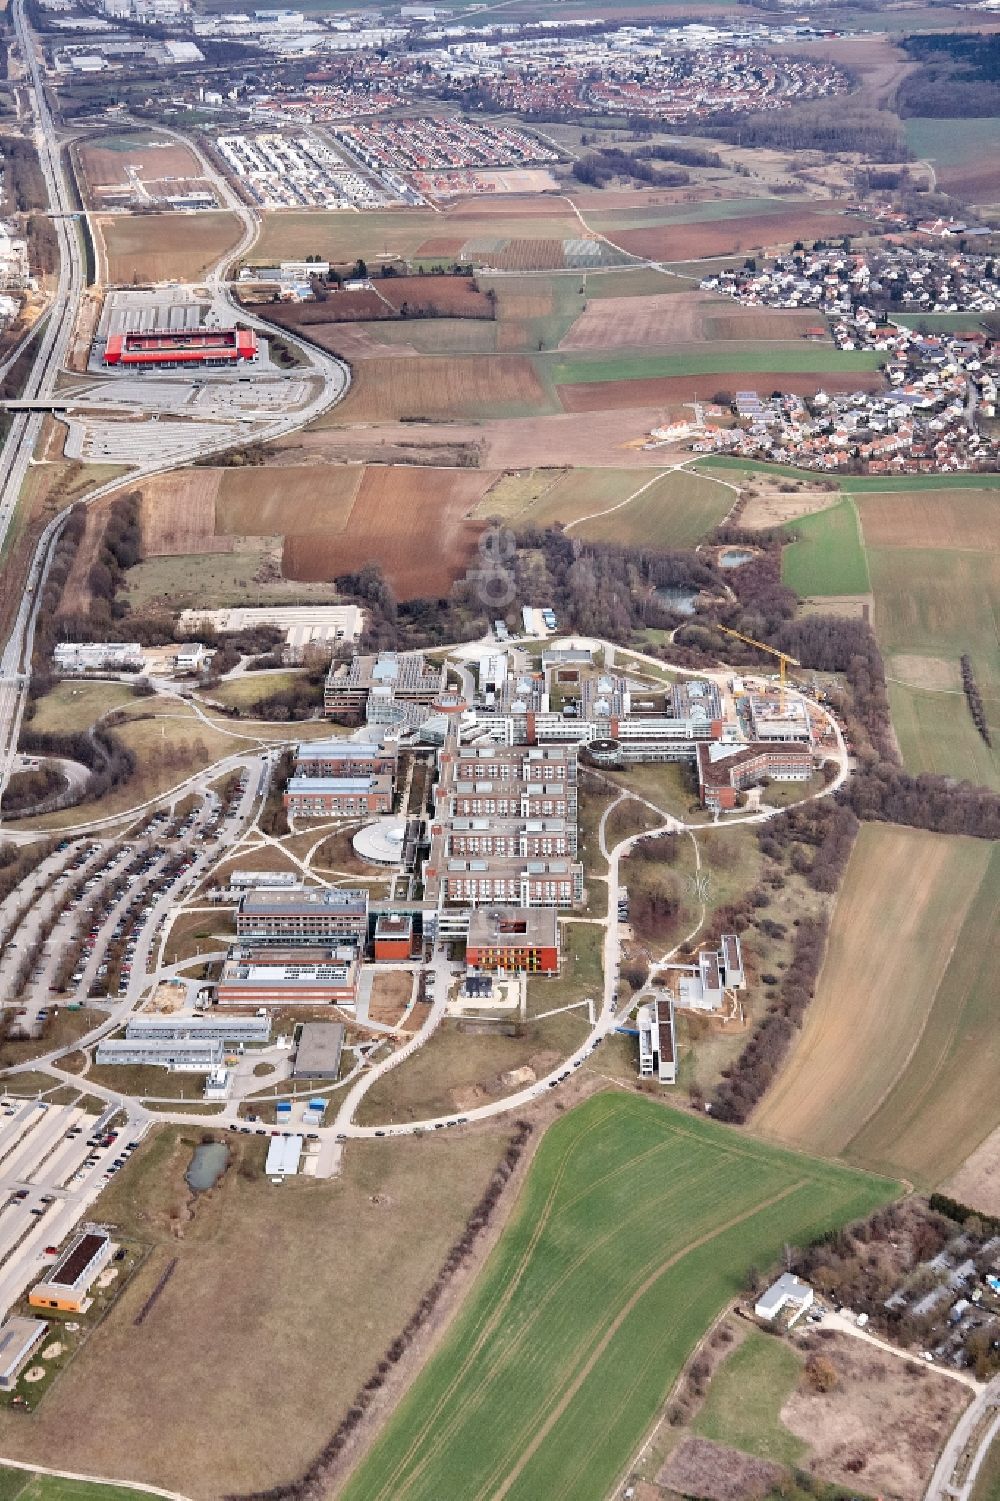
(54, 1161)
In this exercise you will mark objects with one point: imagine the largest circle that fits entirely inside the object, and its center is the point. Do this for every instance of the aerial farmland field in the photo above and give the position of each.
(675, 511)
(896, 1063)
(165, 247)
(801, 358)
(633, 1227)
(829, 557)
(440, 388)
(393, 508)
(940, 604)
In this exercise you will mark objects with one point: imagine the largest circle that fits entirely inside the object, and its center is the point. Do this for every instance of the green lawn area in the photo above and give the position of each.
(858, 482)
(936, 733)
(76, 706)
(677, 511)
(940, 603)
(581, 369)
(633, 1228)
(829, 557)
(940, 323)
(22, 1485)
(252, 688)
(952, 143)
(746, 1396)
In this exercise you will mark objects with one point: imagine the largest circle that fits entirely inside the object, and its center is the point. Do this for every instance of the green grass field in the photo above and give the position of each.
(829, 557)
(22, 1485)
(945, 1102)
(987, 1487)
(745, 1398)
(677, 511)
(859, 483)
(941, 603)
(634, 1226)
(583, 369)
(936, 733)
(952, 143)
(711, 211)
(640, 281)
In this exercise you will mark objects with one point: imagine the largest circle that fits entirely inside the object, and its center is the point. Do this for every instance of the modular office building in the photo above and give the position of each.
(235, 1030)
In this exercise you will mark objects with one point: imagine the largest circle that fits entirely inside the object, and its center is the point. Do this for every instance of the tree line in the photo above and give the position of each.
(315, 1481)
(974, 698)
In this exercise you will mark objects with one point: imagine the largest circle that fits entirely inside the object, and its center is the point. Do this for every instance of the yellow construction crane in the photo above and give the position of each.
(783, 658)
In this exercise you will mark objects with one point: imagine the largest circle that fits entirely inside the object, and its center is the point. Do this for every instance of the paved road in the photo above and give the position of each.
(971, 1426)
(331, 378)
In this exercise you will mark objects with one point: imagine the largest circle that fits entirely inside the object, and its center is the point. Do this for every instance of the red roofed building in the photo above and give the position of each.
(181, 346)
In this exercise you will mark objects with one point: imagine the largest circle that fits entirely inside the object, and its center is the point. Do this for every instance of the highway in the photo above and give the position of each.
(330, 375)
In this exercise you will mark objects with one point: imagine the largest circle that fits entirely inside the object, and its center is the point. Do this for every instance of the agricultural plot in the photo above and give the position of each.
(812, 359)
(935, 730)
(896, 1064)
(165, 247)
(534, 312)
(941, 604)
(410, 336)
(675, 511)
(829, 557)
(393, 507)
(540, 497)
(964, 153)
(441, 388)
(682, 242)
(729, 372)
(949, 518)
(422, 234)
(178, 516)
(543, 1388)
(642, 281)
(273, 502)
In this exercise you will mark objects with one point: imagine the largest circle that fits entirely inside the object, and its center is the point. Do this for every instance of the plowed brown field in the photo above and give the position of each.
(274, 502)
(165, 247)
(681, 242)
(412, 522)
(634, 322)
(178, 514)
(963, 519)
(602, 396)
(436, 388)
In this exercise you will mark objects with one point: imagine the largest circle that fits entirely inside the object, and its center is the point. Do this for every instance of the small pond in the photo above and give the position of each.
(207, 1166)
(735, 557)
(676, 597)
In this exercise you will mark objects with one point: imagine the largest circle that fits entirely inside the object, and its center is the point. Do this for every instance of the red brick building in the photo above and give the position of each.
(515, 940)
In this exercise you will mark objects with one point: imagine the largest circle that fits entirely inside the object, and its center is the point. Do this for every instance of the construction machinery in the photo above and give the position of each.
(784, 659)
